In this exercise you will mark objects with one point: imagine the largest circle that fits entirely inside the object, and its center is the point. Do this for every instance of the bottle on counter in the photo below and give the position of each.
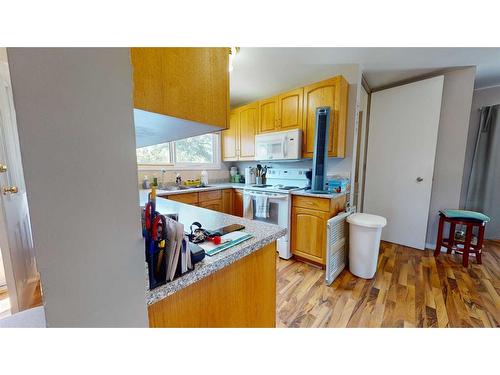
(155, 181)
(204, 178)
(145, 183)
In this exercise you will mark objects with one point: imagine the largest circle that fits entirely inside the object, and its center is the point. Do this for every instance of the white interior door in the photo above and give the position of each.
(402, 139)
(16, 242)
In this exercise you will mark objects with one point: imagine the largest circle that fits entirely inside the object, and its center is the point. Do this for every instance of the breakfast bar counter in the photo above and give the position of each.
(234, 288)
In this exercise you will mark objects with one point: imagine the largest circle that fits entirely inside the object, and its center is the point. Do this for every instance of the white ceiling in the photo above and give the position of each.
(262, 72)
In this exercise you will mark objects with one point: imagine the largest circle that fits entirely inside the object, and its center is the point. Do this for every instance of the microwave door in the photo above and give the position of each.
(276, 150)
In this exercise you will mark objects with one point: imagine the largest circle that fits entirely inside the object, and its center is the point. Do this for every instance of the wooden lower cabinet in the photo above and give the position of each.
(309, 224)
(227, 201)
(189, 198)
(309, 233)
(242, 294)
(214, 205)
(238, 202)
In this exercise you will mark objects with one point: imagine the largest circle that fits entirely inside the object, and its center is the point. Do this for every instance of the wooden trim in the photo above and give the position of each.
(242, 294)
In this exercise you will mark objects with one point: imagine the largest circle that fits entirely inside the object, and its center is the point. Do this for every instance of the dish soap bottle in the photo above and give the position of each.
(145, 183)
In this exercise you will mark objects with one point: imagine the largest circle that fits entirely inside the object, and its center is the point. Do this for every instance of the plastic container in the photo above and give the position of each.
(364, 243)
(338, 184)
(204, 178)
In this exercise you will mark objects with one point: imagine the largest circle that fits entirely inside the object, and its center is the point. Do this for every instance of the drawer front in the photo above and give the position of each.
(214, 205)
(189, 198)
(210, 195)
(313, 203)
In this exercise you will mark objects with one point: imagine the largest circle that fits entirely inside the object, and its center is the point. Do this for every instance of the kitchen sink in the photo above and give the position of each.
(175, 187)
(184, 187)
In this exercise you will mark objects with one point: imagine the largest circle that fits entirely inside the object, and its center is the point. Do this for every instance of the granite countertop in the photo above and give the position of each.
(216, 186)
(263, 234)
(307, 193)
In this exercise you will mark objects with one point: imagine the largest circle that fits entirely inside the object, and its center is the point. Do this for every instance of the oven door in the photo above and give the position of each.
(278, 207)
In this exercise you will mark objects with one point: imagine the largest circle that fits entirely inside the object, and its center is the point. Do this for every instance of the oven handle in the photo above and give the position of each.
(279, 196)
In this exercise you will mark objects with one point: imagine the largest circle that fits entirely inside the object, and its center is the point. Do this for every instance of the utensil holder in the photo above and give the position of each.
(258, 180)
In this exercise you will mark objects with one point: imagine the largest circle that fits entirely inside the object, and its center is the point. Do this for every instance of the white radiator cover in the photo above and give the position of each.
(336, 246)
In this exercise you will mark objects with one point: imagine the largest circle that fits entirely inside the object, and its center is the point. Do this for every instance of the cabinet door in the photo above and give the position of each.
(247, 130)
(268, 115)
(189, 198)
(227, 201)
(230, 138)
(309, 234)
(331, 93)
(238, 203)
(214, 205)
(290, 109)
(188, 83)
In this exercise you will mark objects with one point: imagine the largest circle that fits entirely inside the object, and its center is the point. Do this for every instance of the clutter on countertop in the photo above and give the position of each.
(262, 235)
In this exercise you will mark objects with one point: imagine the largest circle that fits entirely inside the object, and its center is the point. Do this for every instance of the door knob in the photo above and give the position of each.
(3, 168)
(419, 179)
(10, 189)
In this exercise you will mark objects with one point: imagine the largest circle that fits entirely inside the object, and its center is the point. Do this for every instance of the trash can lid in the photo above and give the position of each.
(367, 220)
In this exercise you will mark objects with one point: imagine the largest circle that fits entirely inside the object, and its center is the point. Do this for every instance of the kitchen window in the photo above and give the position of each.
(200, 152)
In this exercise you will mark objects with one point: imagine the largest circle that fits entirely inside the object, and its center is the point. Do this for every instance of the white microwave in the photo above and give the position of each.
(284, 145)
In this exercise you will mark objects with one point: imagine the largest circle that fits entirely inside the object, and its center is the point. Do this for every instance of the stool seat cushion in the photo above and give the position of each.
(465, 215)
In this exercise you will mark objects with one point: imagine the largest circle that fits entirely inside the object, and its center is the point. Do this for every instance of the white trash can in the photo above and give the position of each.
(364, 243)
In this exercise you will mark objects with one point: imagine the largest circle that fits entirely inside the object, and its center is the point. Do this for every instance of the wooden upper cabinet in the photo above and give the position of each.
(290, 110)
(247, 131)
(282, 112)
(238, 141)
(268, 115)
(187, 83)
(334, 94)
(230, 138)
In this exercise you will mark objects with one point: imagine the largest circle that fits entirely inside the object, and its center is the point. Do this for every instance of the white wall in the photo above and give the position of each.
(451, 144)
(74, 112)
(482, 97)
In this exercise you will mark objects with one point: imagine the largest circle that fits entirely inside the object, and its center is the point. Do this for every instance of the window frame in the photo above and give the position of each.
(216, 164)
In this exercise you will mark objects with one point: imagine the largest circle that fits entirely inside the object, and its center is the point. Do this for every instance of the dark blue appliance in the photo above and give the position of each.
(320, 158)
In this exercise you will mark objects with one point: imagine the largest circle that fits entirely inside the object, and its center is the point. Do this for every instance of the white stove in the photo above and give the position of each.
(280, 183)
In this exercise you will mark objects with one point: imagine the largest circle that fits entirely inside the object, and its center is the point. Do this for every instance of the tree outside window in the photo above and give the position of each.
(199, 150)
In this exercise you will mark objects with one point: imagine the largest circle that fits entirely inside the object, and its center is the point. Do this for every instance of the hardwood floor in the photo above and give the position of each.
(410, 289)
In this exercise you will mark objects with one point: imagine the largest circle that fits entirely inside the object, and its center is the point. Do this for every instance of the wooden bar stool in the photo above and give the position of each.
(470, 242)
